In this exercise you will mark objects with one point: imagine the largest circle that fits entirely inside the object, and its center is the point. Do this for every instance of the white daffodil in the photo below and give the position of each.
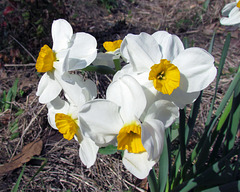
(231, 14)
(112, 52)
(165, 69)
(63, 115)
(69, 52)
(119, 120)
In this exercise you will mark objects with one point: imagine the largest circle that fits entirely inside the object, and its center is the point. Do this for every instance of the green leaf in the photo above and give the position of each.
(192, 118)
(15, 188)
(8, 99)
(202, 148)
(205, 143)
(110, 149)
(205, 4)
(174, 134)
(117, 64)
(182, 135)
(14, 89)
(234, 120)
(40, 169)
(212, 43)
(185, 42)
(20, 112)
(164, 163)
(221, 64)
(11, 94)
(13, 126)
(232, 186)
(213, 175)
(225, 114)
(152, 181)
(14, 135)
(100, 69)
(175, 169)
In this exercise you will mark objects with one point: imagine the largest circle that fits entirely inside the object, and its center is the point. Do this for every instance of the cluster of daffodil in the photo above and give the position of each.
(143, 99)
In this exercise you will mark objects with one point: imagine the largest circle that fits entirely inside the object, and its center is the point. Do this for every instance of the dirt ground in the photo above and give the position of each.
(27, 27)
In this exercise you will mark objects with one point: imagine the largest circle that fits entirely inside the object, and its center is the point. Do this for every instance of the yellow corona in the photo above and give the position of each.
(165, 76)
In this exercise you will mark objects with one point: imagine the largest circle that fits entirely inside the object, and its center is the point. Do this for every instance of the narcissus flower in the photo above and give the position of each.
(63, 116)
(165, 69)
(112, 52)
(123, 119)
(231, 14)
(69, 52)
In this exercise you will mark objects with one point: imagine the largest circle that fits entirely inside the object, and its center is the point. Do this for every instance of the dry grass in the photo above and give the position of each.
(64, 170)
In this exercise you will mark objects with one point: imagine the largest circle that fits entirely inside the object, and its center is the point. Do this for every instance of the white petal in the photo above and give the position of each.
(170, 45)
(148, 88)
(88, 152)
(227, 8)
(142, 78)
(62, 57)
(48, 88)
(127, 93)
(105, 59)
(233, 18)
(164, 111)
(78, 91)
(197, 66)
(153, 138)
(61, 33)
(83, 51)
(138, 164)
(126, 70)
(141, 50)
(180, 97)
(56, 106)
(100, 120)
(89, 89)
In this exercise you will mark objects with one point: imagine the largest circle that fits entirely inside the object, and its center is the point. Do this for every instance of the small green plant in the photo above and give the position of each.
(16, 186)
(206, 4)
(7, 98)
(6, 103)
(109, 4)
(13, 128)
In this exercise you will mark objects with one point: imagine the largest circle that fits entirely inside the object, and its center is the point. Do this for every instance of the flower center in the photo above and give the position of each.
(238, 4)
(129, 138)
(165, 76)
(66, 125)
(161, 75)
(111, 46)
(45, 59)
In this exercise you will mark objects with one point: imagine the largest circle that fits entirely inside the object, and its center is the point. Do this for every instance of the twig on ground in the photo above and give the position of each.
(19, 65)
(24, 48)
(132, 185)
(75, 176)
(24, 132)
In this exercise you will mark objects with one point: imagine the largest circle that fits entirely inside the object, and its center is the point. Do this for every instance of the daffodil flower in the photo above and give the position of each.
(69, 52)
(165, 69)
(63, 116)
(120, 120)
(231, 14)
(112, 52)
